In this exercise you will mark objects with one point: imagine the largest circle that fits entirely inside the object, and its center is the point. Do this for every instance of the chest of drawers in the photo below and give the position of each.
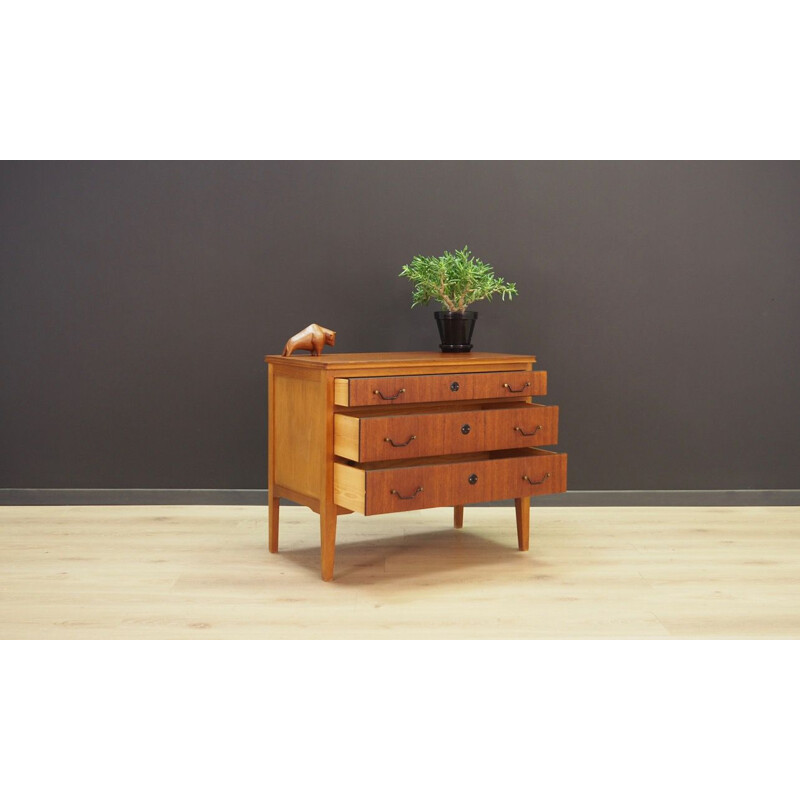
(384, 432)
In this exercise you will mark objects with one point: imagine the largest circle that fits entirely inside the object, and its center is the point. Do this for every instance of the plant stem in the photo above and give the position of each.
(461, 305)
(442, 294)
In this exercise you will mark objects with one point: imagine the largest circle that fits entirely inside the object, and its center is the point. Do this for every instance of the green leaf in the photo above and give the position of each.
(454, 279)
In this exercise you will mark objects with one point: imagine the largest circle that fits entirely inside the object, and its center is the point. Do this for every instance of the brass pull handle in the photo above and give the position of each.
(393, 397)
(410, 497)
(400, 444)
(532, 433)
(536, 483)
(517, 390)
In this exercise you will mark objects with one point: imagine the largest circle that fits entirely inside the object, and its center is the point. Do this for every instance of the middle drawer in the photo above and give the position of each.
(367, 436)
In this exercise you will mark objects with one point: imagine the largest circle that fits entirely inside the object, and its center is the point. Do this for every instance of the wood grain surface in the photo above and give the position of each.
(449, 480)
(394, 390)
(364, 436)
(432, 360)
(203, 572)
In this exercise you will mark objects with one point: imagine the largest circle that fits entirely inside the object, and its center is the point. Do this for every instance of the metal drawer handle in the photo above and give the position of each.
(393, 397)
(410, 497)
(517, 390)
(532, 433)
(401, 444)
(536, 483)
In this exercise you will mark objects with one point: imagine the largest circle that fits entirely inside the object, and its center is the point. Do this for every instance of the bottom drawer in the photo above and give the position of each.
(384, 487)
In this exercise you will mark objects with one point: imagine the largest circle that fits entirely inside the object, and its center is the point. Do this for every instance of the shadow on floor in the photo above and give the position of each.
(409, 558)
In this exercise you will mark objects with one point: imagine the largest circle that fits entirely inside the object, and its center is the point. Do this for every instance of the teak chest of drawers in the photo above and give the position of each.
(382, 432)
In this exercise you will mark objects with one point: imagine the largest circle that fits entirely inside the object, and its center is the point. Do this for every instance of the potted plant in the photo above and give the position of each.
(456, 280)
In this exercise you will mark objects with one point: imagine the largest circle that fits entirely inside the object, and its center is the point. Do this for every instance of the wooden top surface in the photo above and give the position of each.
(337, 361)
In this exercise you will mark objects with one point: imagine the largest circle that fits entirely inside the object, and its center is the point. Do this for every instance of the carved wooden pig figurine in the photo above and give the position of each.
(312, 338)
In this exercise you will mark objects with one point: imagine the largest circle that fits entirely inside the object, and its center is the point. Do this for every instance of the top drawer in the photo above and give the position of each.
(394, 389)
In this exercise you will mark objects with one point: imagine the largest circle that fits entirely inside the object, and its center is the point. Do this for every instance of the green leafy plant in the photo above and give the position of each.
(455, 280)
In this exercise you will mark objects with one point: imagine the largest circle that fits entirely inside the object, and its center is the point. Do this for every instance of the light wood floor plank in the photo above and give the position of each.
(176, 572)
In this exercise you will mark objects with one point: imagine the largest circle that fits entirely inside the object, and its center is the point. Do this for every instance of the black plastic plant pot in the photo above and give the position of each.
(455, 330)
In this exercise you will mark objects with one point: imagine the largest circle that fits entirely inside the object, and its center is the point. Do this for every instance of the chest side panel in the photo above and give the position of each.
(300, 415)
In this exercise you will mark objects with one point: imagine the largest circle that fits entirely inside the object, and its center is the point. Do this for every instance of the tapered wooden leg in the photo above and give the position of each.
(523, 506)
(327, 533)
(274, 513)
(458, 516)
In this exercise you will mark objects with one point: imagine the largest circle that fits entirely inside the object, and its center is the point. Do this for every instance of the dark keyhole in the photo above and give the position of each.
(454, 387)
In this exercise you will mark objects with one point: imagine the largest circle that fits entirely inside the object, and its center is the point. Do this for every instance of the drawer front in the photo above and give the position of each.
(395, 436)
(528, 426)
(400, 389)
(400, 488)
(383, 438)
(542, 473)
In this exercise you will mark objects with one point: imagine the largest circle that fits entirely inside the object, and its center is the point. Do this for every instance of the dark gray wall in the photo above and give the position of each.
(138, 299)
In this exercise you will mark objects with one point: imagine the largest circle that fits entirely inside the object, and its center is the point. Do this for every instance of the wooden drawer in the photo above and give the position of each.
(366, 436)
(397, 389)
(384, 487)
(520, 426)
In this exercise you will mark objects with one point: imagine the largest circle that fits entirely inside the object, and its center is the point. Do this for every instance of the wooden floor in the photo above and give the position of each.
(175, 572)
